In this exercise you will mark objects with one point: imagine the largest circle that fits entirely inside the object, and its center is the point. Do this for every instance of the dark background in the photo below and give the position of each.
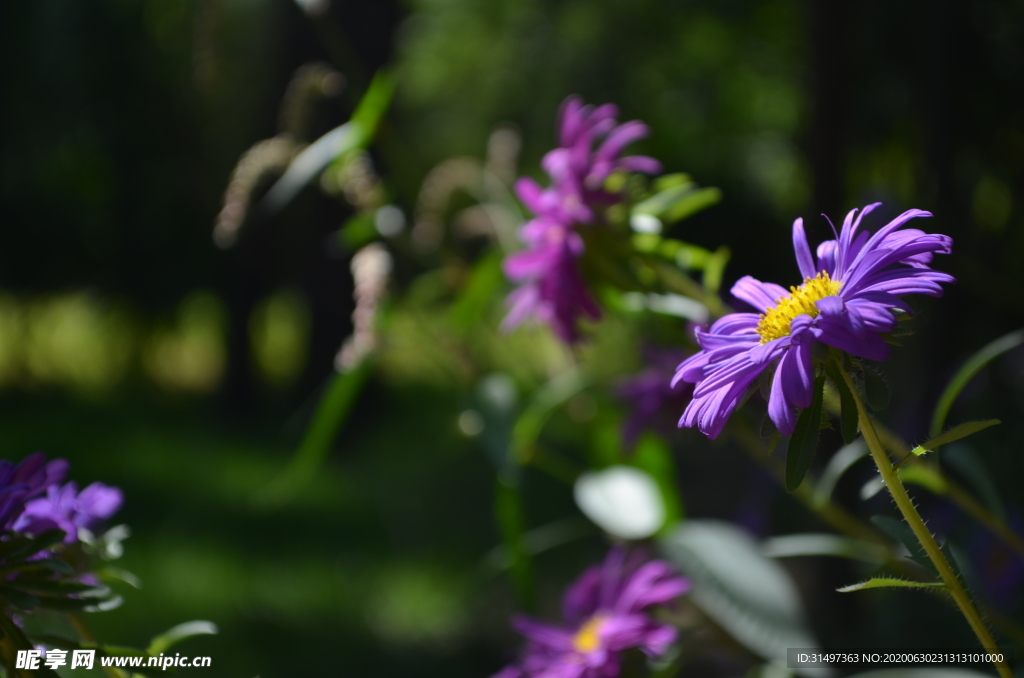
(125, 333)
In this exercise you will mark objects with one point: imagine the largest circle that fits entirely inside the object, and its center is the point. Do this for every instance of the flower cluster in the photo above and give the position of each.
(848, 300)
(551, 289)
(62, 507)
(606, 613)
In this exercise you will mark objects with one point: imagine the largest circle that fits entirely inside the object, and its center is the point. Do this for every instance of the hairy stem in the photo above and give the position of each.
(913, 518)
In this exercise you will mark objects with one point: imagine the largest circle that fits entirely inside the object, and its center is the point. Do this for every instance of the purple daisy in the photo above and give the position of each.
(551, 288)
(606, 613)
(68, 509)
(847, 300)
(19, 483)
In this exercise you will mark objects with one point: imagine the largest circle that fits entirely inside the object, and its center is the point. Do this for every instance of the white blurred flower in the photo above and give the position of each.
(623, 501)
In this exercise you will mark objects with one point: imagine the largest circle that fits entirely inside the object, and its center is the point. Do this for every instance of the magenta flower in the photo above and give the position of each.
(606, 613)
(67, 509)
(30, 477)
(551, 289)
(847, 301)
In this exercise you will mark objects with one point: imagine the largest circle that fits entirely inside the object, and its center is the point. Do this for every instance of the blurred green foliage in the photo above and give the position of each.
(185, 374)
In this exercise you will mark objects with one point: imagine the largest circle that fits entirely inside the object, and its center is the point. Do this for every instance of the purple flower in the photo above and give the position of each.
(20, 483)
(68, 509)
(649, 393)
(847, 300)
(551, 288)
(606, 613)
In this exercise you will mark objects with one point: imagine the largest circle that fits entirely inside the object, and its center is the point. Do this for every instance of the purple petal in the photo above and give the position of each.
(804, 259)
(760, 295)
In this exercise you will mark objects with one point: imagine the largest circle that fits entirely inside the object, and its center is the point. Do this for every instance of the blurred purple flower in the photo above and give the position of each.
(551, 288)
(68, 509)
(605, 614)
(650, 395)
(21, 482)
(846, 301)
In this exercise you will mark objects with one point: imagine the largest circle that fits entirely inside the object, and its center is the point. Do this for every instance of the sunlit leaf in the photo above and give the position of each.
(925, 476)
(181, 632)
(890, 582)
(678, 202)
(354, 134)
(956, 433)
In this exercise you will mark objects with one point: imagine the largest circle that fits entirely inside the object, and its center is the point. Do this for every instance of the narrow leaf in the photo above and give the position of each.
(973, 365)
(890, 582)
(508, 510)
(824, 544)
(838, 465)
(848, 412)
(179, 633)
(876, 389)
(963, 460)
(956, 433)
(804, 440)
(19, 598)
(925, 476)
(902, 533)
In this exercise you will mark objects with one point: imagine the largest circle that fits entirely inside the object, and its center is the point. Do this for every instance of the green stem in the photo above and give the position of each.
(913, 518)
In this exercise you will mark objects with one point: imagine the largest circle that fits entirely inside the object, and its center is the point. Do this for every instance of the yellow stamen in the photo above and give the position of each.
(588, 639)
(775, 322)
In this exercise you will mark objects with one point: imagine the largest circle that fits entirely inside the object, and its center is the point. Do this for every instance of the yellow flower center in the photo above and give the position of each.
(588, 639)
(775, 322)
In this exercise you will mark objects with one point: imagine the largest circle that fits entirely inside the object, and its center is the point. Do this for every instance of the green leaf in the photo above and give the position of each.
(714, 268)
(876, 389)
(653, 455)
(331, 412)
(925, 476)
(804, 441)
(956, 433)
(175, 635)
(838, 465)
(354, 134)
(748, 594)
(963, 460)
(110, 573)
(890, 582)
(358, 230)
(930, 672)
(508, 511)
(478, 292)
(18, 598)
(901, 532)
(536, 414)
(33, 545)
(848, 412)
(824, 544)
(678, 202)
(964, 375)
